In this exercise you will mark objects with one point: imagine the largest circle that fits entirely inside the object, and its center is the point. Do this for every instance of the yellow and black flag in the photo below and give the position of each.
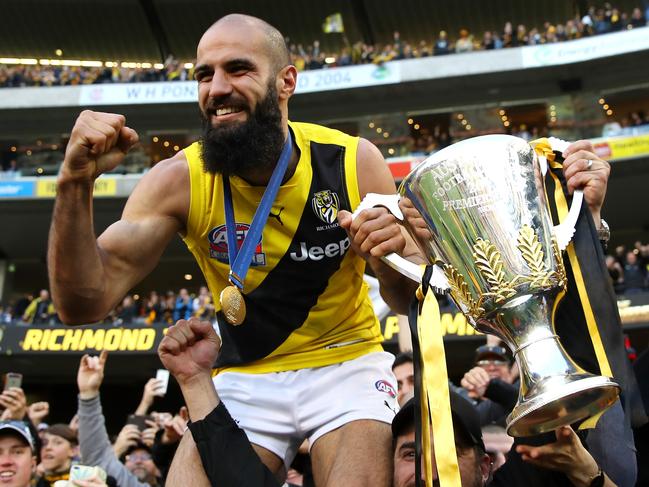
(587, 319)
(333, 23)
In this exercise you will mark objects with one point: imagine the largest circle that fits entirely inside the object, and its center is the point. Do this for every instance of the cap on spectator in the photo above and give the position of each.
(486, 352)
(64, 431)
(465, 419)
(18, 428)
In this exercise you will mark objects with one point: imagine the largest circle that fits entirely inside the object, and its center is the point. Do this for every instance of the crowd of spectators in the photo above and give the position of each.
(13, 76)
(491, 386)
(36, 453)
(310, 57)
(629, 268)
(42, 454)
(141, 453)
(634, 123)
(425, 141)
(597, 21)
(133, 310)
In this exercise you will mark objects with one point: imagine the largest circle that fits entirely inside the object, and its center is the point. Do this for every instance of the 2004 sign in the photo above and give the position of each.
(324, 80)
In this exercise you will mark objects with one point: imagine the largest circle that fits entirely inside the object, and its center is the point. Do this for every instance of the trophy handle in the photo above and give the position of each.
(388, 201)
(391, 203)
(564, 231)
(409, 269)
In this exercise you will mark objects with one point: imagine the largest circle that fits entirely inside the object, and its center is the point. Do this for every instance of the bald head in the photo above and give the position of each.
(273, 40)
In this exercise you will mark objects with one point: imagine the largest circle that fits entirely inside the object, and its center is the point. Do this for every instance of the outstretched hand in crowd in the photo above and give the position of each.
(93, 481)
(476, 381)
(128, 437)
(15, 404)
(174, 427)
(567, 455)
(38, 411)
(151, 391)
(91, 375)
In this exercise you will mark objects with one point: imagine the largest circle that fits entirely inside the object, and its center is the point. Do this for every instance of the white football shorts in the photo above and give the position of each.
(278, 410)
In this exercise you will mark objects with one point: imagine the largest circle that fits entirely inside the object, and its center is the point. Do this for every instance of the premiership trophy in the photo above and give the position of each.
(478, 211)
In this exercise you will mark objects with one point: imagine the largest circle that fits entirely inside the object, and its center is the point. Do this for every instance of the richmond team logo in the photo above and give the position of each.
(218, 240)
(385, 386)
(325, 205)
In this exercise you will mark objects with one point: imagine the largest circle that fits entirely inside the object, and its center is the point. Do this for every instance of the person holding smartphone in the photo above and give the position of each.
(13, 398)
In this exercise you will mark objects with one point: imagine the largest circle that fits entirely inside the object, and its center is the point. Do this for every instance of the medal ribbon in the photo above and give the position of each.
(240, 260)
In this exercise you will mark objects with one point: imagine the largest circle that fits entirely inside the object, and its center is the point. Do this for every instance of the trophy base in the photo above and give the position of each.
(562, 404)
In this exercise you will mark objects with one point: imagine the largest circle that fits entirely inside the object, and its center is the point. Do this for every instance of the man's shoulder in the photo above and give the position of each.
(320, 134)
(172, 173)
(165, 187)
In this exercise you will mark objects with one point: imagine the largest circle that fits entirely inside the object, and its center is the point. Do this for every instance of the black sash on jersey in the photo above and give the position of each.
(268, 325)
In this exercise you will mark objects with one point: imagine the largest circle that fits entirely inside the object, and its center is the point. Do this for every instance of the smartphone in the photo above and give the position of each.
(13, 379)
(83, 472)
(163, 376)
(139, 421)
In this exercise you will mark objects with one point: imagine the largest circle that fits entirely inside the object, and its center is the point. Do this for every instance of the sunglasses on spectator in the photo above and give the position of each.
(142, 457)
(483, 363)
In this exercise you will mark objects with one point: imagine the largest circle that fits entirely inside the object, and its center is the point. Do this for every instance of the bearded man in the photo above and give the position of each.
(301, 355)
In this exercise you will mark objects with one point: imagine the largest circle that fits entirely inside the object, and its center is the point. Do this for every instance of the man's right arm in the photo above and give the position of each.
(216, 443)
(89, 275)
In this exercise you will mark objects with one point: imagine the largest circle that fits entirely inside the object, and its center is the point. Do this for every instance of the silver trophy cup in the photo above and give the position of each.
(478, 210)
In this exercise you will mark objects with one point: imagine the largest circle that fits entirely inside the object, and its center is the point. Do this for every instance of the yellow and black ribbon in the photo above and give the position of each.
(432, 404)
(587, 321)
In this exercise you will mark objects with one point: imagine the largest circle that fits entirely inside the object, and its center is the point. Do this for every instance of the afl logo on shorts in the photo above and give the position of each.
(218, 241)
(384, 386)
(325, 205)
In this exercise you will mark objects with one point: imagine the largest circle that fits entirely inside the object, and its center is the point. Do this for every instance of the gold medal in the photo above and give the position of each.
(233, 305)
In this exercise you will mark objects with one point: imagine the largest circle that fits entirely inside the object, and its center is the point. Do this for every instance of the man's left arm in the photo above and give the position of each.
(375, 232)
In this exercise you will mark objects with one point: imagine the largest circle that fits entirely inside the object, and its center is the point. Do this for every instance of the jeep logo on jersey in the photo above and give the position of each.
(218, 241)
(325, 205)
(385, 386)
(319, 253)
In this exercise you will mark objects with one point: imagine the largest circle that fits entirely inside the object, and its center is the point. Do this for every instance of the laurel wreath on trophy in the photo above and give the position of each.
(490, 264)
(460, 288)
(488, 260)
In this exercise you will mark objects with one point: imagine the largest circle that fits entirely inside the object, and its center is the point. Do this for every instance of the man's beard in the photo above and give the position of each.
(243, 148)
(143, 475)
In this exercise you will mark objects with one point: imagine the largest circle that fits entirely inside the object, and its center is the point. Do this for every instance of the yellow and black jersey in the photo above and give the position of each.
(307, 304)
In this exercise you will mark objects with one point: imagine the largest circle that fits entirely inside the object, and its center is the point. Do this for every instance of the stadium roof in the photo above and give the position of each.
(149, 30)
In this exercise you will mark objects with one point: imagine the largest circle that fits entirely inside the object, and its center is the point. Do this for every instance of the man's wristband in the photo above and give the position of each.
(603, 234)
(598, 481)
(604, 231)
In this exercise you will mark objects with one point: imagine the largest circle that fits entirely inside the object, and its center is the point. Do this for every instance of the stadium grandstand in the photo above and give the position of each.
(412, 77)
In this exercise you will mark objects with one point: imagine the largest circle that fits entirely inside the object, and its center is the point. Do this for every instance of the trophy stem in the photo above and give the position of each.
(554, 391)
